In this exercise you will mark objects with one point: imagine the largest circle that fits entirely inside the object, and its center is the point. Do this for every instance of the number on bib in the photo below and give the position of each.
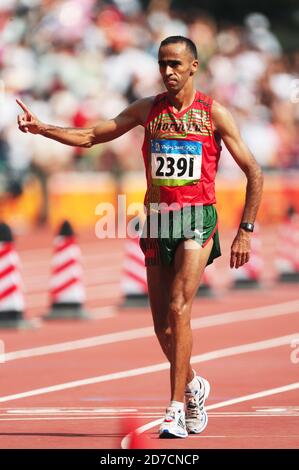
(175, 162)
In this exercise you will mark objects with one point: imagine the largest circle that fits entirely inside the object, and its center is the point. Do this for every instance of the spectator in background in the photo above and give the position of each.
(57, 53)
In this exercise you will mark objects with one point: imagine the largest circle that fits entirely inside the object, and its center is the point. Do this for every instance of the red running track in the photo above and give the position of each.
(81, 391)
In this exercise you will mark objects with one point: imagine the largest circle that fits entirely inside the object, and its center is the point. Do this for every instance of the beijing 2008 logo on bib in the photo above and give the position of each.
(175, 162)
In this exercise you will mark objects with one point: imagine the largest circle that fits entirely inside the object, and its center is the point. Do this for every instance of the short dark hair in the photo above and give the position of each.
(181, 39)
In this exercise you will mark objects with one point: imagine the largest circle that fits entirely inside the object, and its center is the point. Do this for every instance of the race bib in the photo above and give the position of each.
(175, 162)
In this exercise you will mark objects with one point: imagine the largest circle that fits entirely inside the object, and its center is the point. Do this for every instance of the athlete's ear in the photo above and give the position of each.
(194, 67)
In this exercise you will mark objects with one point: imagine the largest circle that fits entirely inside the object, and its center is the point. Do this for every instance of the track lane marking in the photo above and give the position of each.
(256, 313)
(209, 356)
(253, 396)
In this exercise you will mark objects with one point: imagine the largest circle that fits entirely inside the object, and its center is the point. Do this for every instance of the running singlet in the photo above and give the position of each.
(180, 153)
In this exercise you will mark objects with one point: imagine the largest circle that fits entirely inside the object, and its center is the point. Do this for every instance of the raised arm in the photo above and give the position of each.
(227, 128)
(103, 131)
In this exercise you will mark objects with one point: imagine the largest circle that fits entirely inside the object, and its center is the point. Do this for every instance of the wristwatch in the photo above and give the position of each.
(247, 226)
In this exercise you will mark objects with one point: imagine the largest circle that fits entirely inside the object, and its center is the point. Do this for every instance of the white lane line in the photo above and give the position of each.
(256, 313)
(219, 353)
(141, 416)
(81, 343)
(64, 410)
(76, 418)
(87, 414)
(253, 396)
(67, 418)
(154, 411)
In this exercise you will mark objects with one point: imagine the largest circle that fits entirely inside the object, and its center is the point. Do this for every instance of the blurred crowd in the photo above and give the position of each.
(76, 61)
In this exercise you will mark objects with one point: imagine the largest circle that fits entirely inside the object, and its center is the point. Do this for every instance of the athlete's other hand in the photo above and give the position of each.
(240, 249)
(27, 121)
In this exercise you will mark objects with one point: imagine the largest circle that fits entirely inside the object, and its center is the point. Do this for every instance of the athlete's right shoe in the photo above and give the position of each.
(196, 415)
(174, 424)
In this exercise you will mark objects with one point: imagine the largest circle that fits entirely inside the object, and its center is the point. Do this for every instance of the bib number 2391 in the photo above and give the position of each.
(175, 162)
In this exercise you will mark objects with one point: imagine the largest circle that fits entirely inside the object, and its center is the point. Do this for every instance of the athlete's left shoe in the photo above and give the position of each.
(174, 424)
(196, 415)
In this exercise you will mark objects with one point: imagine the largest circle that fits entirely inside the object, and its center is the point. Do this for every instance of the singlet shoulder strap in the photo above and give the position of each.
(158, 101)
(203, 99)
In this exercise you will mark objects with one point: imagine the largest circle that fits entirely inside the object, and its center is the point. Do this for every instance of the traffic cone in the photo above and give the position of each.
(134, 282)
(66, 287)
(287, 259)
(249, 275)
(11, 293)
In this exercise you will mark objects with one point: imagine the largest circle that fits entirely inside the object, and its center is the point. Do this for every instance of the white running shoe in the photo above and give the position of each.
(174, 424)
(196, 415)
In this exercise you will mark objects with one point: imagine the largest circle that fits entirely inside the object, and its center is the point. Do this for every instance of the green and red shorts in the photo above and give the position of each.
(162, 233)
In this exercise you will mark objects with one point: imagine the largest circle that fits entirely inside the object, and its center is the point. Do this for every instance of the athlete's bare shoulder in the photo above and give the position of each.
(221, 116)
(142, 108)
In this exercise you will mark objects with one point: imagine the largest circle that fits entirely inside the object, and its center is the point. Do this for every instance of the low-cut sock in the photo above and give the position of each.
(178, 405)
(194, 385)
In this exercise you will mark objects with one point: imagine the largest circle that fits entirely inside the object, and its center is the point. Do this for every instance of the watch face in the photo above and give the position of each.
(247, 226)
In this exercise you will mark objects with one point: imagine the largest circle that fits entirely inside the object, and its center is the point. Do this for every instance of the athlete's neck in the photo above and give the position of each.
(182, 100)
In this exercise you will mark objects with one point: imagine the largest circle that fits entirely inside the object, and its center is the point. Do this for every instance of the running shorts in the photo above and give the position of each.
(162, 233)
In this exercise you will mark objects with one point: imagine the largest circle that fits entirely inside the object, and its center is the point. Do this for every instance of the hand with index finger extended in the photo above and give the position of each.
(23, 106)
(28, 122)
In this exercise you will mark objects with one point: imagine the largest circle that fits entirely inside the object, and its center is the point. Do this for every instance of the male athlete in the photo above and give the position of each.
(183, 130)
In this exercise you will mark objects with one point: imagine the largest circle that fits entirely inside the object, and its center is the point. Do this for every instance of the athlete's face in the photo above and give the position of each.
(177, 66)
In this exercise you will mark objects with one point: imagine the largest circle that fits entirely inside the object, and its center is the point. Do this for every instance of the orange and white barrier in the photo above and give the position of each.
(67, 293)
(134, 282)
(249, 275)
(11, 289)
(287, 258)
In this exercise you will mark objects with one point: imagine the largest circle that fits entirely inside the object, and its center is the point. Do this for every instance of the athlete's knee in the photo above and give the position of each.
(179, 311)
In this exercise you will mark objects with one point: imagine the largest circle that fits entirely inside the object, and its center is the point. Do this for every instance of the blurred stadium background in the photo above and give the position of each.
(76, 61)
